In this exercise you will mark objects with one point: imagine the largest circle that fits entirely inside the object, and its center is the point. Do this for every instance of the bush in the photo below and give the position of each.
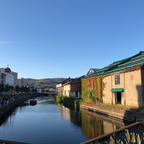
(68, 101)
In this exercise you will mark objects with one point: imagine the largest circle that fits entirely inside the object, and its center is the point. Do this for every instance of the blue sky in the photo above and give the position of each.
(62, 38)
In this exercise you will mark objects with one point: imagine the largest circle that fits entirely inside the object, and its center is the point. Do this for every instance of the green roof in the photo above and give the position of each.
(122, 65)
(117, 90)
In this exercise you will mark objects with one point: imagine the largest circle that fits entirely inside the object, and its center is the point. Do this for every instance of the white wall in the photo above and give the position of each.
(9, 79)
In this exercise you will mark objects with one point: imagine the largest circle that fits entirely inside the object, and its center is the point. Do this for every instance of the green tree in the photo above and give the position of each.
(1, 87)
(8, 88)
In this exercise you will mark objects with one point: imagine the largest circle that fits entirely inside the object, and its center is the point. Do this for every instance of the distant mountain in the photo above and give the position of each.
(40, 83)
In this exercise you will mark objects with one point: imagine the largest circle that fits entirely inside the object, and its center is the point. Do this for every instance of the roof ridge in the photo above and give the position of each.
(115, 64)
(130, 57)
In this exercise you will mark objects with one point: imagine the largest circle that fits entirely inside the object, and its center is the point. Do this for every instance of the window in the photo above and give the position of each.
(117, 79)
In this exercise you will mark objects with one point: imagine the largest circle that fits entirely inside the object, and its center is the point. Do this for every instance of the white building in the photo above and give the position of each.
(8, 77)
(15, 78)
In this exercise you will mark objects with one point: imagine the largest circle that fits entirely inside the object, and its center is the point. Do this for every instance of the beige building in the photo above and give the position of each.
(62, 88)
(59, 89)
(128, 91)
(122, 83)
(67, 89)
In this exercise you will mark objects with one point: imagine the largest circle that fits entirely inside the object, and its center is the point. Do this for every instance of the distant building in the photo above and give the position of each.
(76, 88)
(2, 78)
(7, 77)
(60, 87)
(22, 82)
(15, 78)
(39, 90)
(69, 88)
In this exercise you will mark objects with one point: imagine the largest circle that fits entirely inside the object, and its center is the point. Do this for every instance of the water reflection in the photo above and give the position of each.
(63, 112)
(45, 121)
(46, 100)
(92, 124)
(8, 119)
(70, 115)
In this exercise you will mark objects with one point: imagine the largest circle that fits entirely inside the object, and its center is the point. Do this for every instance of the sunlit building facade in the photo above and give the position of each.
(122, 82)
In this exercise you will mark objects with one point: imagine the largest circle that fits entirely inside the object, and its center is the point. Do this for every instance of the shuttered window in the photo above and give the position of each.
(117, 79)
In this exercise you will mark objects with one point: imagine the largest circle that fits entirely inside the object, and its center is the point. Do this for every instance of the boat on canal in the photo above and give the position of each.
(33, 102)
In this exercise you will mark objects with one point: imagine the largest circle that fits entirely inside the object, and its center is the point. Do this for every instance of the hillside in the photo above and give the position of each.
(40, 83)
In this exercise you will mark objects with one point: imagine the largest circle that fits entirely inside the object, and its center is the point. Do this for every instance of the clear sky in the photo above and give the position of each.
(62, 38)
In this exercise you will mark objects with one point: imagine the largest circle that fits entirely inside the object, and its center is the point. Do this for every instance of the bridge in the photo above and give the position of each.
(131, 134)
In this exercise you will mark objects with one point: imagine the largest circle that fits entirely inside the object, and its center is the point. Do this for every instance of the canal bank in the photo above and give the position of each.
(4, 110)
(70, 102)
(115, 111)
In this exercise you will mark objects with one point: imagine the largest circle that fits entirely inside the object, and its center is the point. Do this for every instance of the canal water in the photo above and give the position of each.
(49, 123)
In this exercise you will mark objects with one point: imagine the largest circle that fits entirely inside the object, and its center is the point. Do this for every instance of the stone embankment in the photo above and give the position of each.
(131, 115)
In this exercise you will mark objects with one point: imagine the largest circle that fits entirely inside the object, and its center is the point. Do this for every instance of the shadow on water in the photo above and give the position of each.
(8, 116)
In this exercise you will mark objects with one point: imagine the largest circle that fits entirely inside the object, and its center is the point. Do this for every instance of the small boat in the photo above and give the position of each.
(33, 102)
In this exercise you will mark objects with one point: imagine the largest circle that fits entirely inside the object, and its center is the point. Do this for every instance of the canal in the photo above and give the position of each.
(49, 123)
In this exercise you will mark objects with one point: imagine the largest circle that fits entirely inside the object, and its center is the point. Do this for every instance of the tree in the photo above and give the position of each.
(17, 88)
(1, 87)
(8, 88)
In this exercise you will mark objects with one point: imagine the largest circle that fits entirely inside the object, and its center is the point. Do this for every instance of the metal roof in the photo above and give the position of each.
(122, 65)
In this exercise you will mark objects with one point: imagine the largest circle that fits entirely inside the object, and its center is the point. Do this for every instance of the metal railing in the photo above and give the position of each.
(131, 134)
